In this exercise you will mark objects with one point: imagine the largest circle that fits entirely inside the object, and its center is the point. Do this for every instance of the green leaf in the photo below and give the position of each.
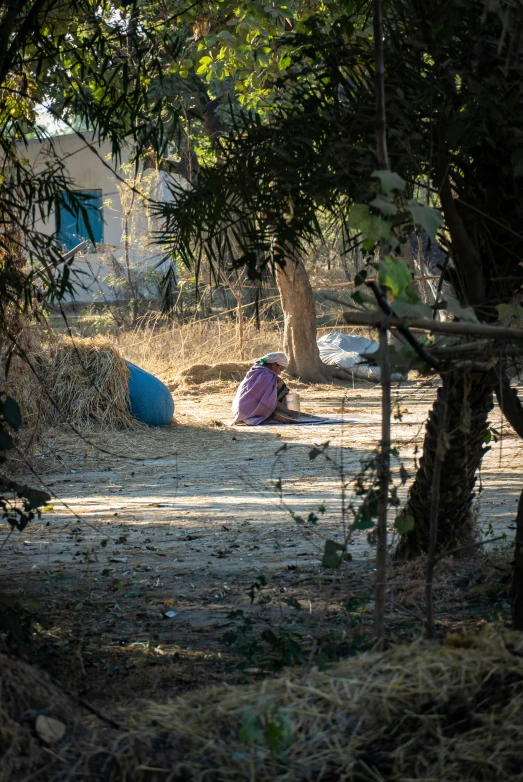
(463, 313)
(406, 309)
(389, 181)
(385, 205)
(365, 523)
(278, 730)
(332, 554)
(225, 35)
(404, 524)
(362, 297)
(395, 275)
(512, 311)
(505, 311)
(428, 218)
(371, 226)
(12, 413)
(251, 731)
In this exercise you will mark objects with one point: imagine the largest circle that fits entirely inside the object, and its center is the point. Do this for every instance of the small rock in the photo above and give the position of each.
(49, 730)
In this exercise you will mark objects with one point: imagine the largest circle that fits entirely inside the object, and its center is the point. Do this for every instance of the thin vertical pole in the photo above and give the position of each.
(430, 625)
(384, 457)
(383, 497)
(381, 115)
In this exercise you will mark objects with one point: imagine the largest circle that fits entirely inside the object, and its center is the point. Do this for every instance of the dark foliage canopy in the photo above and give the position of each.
(455, 119)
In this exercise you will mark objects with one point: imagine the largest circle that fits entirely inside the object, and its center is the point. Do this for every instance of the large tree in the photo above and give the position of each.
(461, 81)
(233, 59)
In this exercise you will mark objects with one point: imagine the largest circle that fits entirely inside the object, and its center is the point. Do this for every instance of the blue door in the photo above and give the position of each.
(79, 216)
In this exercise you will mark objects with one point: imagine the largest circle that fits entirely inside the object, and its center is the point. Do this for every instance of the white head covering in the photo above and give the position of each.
(274, 358)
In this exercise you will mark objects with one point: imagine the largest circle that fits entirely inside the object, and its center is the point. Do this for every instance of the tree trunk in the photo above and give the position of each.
(469, 403)
(299, 327)
(299, 318)
(516, 590)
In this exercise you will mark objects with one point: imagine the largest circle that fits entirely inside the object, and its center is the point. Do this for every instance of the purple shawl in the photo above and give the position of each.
(256, 397)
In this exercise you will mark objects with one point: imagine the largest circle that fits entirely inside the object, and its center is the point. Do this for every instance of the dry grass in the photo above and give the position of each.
(198, 374)
(419, 712)
(66, 384)
(26, 692)
(201, 352)
(167, 351)
(451, 713)
(88, 382)
(83, 382)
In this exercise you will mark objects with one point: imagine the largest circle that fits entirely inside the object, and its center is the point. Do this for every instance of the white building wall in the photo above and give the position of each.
(89, 166)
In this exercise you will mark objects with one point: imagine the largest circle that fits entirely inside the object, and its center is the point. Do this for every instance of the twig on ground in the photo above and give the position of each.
(87, 705)
(469, 546)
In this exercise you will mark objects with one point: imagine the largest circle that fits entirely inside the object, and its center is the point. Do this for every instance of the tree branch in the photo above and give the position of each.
(24, 30)
(403, 330)
(375, 319)
(381, 116)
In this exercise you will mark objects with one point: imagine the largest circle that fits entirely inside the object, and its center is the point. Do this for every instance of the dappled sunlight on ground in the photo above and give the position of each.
(140, 560)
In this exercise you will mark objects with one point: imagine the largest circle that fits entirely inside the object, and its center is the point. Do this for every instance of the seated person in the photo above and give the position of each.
(261, 394)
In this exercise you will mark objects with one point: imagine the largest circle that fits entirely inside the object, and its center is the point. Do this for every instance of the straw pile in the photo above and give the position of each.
(197, 374)
(452, 712)
(88, 382)
(25, 693)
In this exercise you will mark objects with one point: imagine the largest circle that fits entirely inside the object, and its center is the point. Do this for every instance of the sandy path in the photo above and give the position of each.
(128, 541)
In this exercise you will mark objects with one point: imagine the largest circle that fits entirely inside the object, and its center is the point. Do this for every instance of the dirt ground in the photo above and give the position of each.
(150, 546)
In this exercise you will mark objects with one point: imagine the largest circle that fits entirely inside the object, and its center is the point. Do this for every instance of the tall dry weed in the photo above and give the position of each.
(167, 351)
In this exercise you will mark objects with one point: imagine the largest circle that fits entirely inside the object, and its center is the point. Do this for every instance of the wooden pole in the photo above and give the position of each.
(383, 497)
(381, 115)
(384, 458)
(376, 318)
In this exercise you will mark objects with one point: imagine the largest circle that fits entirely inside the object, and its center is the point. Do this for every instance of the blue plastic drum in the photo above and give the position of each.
(150, 400)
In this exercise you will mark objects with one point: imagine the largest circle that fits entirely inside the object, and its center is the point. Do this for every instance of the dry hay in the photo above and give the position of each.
(197, 374)
(420, 712)
(87, 380)
(24, 385)
(26, 692)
